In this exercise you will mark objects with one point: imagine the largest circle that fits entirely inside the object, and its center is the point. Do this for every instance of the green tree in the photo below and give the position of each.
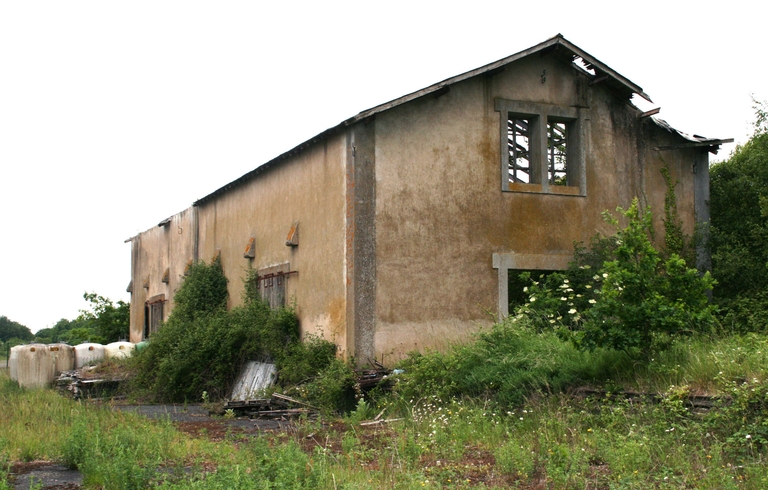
(72, 332)
(739, 230)
(111, 321)
(13, 330)
(103, 322)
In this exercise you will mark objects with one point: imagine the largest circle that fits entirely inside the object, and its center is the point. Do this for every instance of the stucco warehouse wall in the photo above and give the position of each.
(308, 188)
(441, 213)
(407, 221)
(160, 248)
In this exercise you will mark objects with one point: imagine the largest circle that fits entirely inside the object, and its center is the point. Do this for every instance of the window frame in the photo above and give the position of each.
(539, 117)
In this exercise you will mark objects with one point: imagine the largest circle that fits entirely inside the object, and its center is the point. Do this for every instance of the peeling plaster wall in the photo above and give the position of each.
(159, 248)
(441, 214)
(308, 188)
(402, 215)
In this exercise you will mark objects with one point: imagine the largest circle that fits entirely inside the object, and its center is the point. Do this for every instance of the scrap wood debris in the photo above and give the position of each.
(281, 406)
(278, 406)
(86, 383)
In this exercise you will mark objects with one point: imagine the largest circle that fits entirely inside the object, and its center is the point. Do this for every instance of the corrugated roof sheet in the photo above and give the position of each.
(253, 380)
(693, 141)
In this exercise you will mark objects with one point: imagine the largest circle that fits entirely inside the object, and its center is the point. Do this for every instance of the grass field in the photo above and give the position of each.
(555, 440)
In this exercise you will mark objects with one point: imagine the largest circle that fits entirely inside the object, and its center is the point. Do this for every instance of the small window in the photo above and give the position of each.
(270, 283)
(272, 290)
(541, 148)
(153, 315)
(557, 149)
(519, 149)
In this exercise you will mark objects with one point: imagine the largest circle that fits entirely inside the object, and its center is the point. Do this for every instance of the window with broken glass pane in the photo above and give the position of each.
(557, 150)
(518, 139)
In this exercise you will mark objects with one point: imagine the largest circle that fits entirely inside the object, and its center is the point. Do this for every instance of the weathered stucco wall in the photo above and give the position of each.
(405, 227)
(160, 248)
(441, 213)
(308, 188)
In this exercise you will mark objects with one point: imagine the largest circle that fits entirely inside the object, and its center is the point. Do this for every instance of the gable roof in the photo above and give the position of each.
(557, 46)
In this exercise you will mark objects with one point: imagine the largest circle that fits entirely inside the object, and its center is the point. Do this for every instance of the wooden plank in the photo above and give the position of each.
(652, 112)
(286, 398)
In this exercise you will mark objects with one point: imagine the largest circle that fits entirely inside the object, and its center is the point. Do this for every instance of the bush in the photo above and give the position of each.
(335, 389)
(202, 346)
(509, 362)
(302, 361)
(635, 300)
(739, 231)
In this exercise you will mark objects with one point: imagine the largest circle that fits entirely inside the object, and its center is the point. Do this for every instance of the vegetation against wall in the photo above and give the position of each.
(622, 294)
(203, 346)
(739, 231)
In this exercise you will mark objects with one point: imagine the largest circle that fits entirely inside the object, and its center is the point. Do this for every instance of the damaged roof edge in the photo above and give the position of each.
(552, 42)
(692, 141)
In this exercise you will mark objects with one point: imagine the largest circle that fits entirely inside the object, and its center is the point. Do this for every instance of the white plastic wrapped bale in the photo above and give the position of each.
(118, 350)
(88, 353)
(36, 366)
(64, 357)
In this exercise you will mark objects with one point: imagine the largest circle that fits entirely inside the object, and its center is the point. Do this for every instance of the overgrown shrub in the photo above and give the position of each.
(202, 346)
(636, 300)
(509, 362)
(739, 231)
(302, 361)
(334, 389)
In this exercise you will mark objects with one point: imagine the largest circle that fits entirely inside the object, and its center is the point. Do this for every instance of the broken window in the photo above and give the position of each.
(557, 173)
(541, 148)
(270, 283)
(518, 143)
(272, 290)
(153, 314)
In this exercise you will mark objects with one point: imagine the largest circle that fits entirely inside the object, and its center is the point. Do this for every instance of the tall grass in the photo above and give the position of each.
(511, 362)
(538, 436)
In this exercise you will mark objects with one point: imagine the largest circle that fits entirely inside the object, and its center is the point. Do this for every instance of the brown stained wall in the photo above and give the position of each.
(308, 188)
(402, 216)
(441, 214)
(153, 251)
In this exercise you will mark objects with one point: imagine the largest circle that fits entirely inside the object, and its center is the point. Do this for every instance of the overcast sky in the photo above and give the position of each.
(116, 115)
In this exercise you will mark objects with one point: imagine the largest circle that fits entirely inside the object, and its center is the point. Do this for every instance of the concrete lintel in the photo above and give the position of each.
(506, 261)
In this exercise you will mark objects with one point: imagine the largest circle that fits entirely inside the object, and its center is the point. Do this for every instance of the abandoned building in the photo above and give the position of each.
(396, 229)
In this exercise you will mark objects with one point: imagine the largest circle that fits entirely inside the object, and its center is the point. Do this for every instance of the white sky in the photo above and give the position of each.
(116, 115)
